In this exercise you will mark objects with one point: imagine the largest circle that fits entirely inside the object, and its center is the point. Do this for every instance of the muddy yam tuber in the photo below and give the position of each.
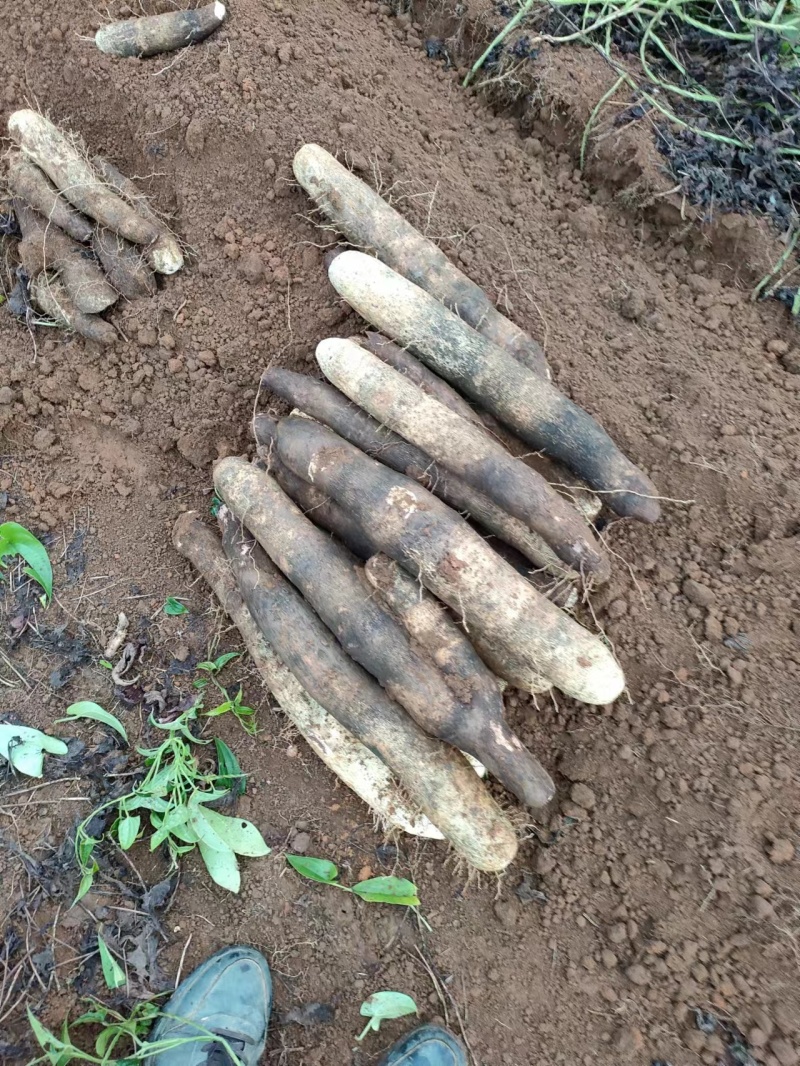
(151, 35)
(30, 185)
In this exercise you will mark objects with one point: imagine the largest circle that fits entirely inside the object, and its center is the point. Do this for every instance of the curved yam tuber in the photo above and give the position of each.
(125, 267)
(73, 175)
(352, 763)
(435, 777)
(151, 35)
(331, 407)
(463, 448)
(45, 247)
(334, 585)
(29, 184)
(451, 560)
(369, 222)
(50, 295)
(537, 412)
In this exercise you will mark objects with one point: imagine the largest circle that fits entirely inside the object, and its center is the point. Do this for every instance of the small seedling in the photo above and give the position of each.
(17, 540)
(244, 715)
(381, 1006)
(375, 890)
(24, 748)
(113, 974)
(93, 711)
(174, 607)
(213, 666)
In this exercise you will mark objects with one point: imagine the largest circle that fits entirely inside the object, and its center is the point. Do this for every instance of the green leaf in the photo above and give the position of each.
(239, 835)
(174, 607)
(113, 973)
(388, 890)
(174, 819)
(229, 772)
(221, 708)
(87, 709)
(24, 748)
(48, 1041)
(17, 540)
(222, 866)
(213, 666)
(105, 664)
(322, 870)
(381, 1006)
(128, 830)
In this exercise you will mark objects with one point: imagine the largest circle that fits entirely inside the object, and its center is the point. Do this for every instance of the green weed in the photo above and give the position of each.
(17, 540)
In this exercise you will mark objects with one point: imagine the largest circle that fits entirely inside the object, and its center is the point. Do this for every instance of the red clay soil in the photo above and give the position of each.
(676, 885)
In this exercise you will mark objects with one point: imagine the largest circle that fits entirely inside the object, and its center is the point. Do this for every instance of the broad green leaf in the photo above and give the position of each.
(47, 1040)
(222, 866)
(17, 540)
(213, 666)
(322, 870)
(24, 748)
(241, 836)
(128, 830)
(147, 803)
(381, 1006)
(388, 890)
(229, 771)
(174, 607)
(86, 883)
(221, 708)
(206, 834)
(113, 973)
(87, 709)
(173, 819)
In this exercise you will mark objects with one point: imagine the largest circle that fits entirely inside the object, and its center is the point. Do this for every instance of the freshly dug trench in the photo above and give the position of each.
(125, 266)
(463, 448)
(369, 222)
(46, 247)
(74, 177)
(151, 35)
(354, 764)
(331, 407)
(50, 295)
(29, 184)
(451, 560)
(435, 777)
(332, 582)
(536, 411)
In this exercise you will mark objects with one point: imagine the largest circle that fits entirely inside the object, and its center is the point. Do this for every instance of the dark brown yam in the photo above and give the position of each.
(430, 541)
(464, 448)
(152, 35)
(125, 266)
(369, 222)
(333, 583)
(437, 778)
(533, 408)
(50, 295)
(325, 403)
(46, 247)
(29, 184)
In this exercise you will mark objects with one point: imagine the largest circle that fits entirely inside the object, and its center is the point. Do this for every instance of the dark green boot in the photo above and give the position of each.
(429, 1045)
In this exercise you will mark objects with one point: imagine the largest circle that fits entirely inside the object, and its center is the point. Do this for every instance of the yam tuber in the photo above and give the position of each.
(29, 184)
(125, 266)
(464, 449)
(151, 35)
(354, 764)
(50, 295)
(435, 777)
(369, 222)
(537, 412)
(72, 174)
(333, 583)
(451, 560)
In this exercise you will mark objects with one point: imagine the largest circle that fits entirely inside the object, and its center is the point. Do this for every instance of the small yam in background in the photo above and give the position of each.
(152, 35)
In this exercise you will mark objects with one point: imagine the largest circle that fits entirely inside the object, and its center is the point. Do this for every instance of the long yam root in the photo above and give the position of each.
(537, 412)
(29, 184)
(436, 778)
(352, 763)
(74, 177)
(369, 222)
(50, 295)
(151, 35)
(124, 265)
(433, 543)
(463, 448)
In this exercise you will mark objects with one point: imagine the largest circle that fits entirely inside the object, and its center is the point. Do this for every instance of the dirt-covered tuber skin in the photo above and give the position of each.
(50, 296)
(151, 35)
(27, 182)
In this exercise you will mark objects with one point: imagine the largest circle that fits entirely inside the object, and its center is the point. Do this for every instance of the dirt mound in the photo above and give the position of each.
(665, 881)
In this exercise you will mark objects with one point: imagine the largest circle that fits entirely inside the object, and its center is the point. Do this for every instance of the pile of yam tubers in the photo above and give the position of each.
(391, 559)
(88, 236)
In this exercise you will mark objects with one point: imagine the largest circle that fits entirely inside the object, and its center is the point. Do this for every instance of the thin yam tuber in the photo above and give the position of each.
(129, 191)
(330, 406)
(463, 448)
(333, 583)
(46, 247)
(124, 265)
(29, 184)
(151, 35)
(369, 222)
(537, 412)
(50, 295)
(433, 543)
(354, 764)
(72, 174)
(436, 778)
